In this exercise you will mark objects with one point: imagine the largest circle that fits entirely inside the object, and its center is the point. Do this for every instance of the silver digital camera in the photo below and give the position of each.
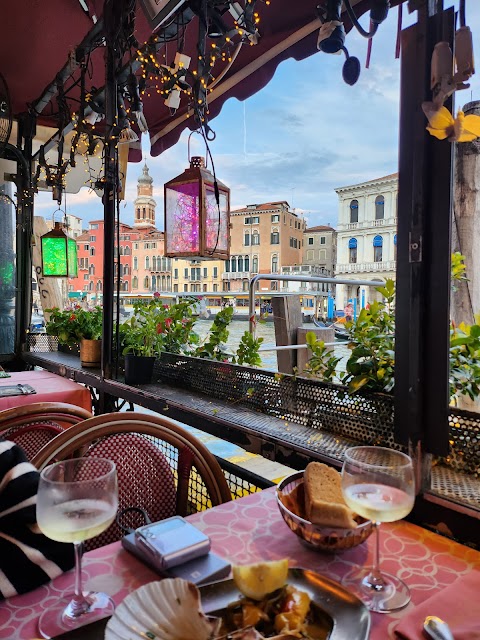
(171, 542)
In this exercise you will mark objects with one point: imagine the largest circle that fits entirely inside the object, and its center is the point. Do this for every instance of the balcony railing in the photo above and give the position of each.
(236, 275)
(365, 267)
(367, 224)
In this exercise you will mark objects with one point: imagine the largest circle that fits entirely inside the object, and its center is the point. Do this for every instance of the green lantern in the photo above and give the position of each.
(59, 254)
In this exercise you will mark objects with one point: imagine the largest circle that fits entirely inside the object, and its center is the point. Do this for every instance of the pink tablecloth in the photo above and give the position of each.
(49, 387)
(251, 529)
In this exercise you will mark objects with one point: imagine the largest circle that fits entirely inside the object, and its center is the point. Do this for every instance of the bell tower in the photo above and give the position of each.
(144, 204)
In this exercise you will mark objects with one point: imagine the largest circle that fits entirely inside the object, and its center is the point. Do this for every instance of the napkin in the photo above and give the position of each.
(457, 604)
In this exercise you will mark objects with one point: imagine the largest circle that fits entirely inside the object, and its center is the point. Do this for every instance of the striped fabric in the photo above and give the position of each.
(27, 558)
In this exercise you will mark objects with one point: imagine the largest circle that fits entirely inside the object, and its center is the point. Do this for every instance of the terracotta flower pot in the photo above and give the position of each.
(90, 353)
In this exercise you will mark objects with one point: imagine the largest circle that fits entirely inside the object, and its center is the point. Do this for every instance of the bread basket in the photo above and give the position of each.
(315, 536)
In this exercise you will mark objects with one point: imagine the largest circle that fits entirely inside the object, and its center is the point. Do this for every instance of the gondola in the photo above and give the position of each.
(340, 332)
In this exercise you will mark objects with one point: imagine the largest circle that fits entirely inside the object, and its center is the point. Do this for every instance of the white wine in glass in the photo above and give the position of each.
(77, 500)
(378, 484)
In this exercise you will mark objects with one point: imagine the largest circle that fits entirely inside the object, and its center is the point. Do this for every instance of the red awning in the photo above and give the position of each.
(38, 36)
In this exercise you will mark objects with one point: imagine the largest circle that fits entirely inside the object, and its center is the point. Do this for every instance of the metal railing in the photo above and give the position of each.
(287, 278)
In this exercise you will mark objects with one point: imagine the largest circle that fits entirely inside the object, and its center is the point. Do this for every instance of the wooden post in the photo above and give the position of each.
(287, 316)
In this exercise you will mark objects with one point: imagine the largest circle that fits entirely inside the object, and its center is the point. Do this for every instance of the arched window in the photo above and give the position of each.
(90, 286)
(92, 251)
(135, 262)
(352, 250)
(99, 285)
(255, 238)
(164, 283)
(240, 263)
(354, 211)
(126, 270)
(154, 263)
(379, 208)
(169, 283)
(234, 264)
(147, 262)
(274, 263)
(377, 249)
(138, 212)
(146, 283)
(91, 270)
(127, 251)
(227, 266)
(134, 282)
(144, 213)
(255, 264)
(154, 283)
(247, 263)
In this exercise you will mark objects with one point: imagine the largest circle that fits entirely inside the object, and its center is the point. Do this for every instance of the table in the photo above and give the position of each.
(49, 387)
(252, 529)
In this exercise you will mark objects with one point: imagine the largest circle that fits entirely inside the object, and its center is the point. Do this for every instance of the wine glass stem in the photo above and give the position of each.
(78, 604)
(375, 578)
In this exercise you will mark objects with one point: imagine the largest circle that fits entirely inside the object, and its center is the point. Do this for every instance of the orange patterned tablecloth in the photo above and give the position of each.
(251, 529)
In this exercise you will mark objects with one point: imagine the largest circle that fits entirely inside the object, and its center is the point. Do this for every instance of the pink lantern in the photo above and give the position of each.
(196, 225)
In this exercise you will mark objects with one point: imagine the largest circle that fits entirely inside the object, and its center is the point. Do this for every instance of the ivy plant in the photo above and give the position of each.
(371, 364)
(214, 347)
(248, 350)
(322, 363)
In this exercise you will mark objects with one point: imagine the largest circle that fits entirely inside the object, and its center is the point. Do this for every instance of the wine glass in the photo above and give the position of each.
(378, 484)
(77, 499)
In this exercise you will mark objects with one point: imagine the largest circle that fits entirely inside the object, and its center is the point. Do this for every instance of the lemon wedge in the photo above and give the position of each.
(256, 581)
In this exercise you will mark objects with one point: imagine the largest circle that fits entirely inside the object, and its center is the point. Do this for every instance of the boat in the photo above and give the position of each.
(341, 332)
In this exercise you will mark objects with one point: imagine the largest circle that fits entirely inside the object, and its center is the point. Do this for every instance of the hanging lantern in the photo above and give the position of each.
(59, 254)
(197, 214)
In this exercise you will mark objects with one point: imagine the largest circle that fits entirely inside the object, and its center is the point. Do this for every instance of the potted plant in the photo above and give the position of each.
(155, 327)
(76, 325)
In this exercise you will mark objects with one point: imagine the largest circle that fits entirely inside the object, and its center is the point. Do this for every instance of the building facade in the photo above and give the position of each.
(366, 237)
(320, 248)
(264, 238)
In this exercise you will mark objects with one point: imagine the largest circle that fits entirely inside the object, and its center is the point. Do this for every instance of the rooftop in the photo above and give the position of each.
(320, 227)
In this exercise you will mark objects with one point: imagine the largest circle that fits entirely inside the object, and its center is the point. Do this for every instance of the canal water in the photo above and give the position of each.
(265, 330)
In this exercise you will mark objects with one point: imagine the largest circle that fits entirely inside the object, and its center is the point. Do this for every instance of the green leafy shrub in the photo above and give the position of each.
(74, 323)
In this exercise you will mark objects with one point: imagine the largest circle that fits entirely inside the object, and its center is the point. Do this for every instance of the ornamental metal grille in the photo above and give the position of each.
(366, 418)
(41, 342)
(326, 408)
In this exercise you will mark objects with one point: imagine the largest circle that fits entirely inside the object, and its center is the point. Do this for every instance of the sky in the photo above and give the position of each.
(303, 135)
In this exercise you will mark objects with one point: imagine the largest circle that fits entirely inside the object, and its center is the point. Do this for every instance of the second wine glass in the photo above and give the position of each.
(378, 484)
(77, 500)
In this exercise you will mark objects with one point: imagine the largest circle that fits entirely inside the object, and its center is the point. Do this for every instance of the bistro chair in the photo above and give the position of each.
(32, 426)
(162, 468)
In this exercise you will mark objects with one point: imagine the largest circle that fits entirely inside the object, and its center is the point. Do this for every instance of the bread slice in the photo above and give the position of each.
(324, 503)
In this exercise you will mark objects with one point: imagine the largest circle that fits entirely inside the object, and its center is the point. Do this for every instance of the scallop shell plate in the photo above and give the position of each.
(165, 610)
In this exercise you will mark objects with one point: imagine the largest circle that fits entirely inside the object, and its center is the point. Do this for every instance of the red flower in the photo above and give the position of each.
(166, 306)
(168, 322)
(156, 294)
(72, 317)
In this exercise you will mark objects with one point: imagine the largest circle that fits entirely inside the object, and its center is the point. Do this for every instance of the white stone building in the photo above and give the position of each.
(366, 237)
